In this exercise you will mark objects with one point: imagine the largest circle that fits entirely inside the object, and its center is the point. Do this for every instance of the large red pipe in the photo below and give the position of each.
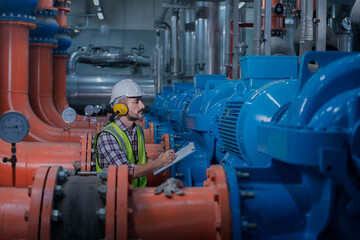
(14, 53)
(40, 87)
(30, 156)
(201, 213)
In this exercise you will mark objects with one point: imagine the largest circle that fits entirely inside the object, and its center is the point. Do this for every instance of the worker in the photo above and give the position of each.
(122, 141)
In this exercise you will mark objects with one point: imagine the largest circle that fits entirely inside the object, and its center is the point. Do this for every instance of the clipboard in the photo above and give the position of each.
(181, 154)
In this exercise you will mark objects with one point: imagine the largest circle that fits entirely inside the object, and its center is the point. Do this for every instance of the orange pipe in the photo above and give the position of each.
(40, 87)
(30, 156)
(149, 134)
(202, 212)
(14, 204)
(14, 53)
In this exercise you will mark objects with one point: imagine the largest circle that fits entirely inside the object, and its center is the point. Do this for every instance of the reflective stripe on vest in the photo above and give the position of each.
(126, 147)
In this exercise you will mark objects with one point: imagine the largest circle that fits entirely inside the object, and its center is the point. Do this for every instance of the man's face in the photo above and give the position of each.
(136, 109)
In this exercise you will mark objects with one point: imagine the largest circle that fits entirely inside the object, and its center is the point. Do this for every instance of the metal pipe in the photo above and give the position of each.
(257, 27)
(267, 5)
(235, 62)
(355, 22)
(189, 59)
(47, 209)
(158, 63)
(167, 48)
(208, 37)
(309, 26)
(228, 6)
(14, 45)
(105, 56)
(175, 58)
(32, 155)
(321, 25)
(82, 90)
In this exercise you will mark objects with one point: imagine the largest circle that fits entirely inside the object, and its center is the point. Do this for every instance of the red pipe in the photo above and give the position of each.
(14, 204)
(14, 53)
(202, 212)
(30, 156)
(40, 87)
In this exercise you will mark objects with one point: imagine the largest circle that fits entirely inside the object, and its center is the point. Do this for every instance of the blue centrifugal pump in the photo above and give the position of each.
(310, 188)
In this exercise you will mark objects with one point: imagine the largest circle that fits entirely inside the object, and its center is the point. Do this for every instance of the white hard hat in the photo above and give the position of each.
(125, 88)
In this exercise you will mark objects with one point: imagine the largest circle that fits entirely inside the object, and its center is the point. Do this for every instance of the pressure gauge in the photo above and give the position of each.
(69, 115)
(89, 110)
(97, 109)
(14, 126)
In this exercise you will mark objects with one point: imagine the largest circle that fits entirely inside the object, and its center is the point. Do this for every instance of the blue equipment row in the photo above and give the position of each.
(290, 145)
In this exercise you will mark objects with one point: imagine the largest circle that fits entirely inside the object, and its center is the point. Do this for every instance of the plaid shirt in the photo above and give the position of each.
(109, 150)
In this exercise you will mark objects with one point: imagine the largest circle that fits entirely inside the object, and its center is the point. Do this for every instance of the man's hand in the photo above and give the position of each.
(171, 185)
(166, 158)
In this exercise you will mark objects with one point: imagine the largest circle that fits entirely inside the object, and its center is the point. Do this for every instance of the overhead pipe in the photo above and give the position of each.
(14, 53)
(84, 89)
(116, 210)
(104, 57)
(60, 56)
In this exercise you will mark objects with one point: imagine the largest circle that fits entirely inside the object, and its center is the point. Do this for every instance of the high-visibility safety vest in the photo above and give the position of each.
(126, 147)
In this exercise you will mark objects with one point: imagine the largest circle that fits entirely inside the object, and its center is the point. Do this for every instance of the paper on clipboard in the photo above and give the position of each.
(182, 153)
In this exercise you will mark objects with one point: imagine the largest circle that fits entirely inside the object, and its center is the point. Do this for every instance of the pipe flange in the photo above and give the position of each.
(43, 40)
(17, 17)
(48, 214)
(216, 178)
(46, 12)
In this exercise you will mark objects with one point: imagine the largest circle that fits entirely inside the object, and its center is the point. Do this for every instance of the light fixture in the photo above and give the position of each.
(241, 4)
(100, 15)
(96, 2)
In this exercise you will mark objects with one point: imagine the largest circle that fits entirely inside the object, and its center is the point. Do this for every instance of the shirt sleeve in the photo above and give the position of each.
(110, 152)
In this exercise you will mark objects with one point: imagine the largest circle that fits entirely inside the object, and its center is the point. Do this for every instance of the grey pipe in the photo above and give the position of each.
(309, 26)
(167, 47)
(257, 27)
(189, 58)
(158, 63)
(175, 60)
(228, 9)
(106, 56)
(82, 90)
(355, 25)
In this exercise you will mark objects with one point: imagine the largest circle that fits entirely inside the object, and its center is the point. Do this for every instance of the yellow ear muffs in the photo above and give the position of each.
(121, 108)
